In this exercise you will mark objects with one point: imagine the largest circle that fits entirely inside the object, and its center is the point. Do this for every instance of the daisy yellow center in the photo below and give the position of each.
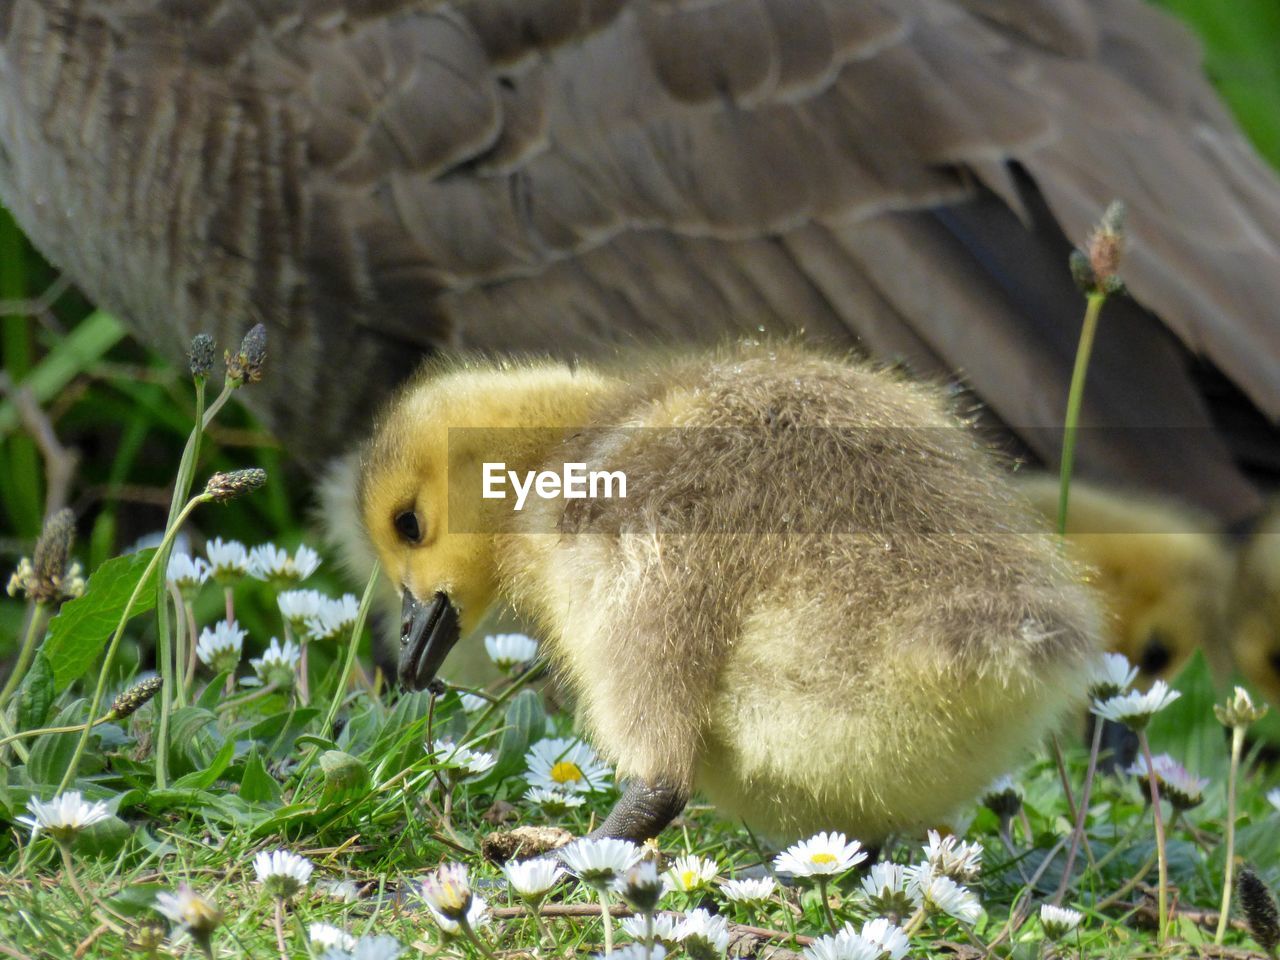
(823, 857)
(688, 878)
(566, 771)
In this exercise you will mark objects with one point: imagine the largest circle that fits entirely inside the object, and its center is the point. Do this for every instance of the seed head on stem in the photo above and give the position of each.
(1259, 908)
(222, 487)
(134, 698)
(248, 364)
(1236, 714)
(51, 576)
(200, 356)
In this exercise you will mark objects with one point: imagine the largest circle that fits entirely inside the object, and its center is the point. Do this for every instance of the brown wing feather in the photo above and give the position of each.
(375, 179)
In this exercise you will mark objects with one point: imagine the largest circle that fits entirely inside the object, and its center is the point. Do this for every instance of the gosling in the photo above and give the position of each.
(1163, 570)
(820, 602)
(1254, 612)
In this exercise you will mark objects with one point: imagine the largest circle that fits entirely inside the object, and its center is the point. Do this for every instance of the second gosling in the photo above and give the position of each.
(1163, 572)
(820, 602)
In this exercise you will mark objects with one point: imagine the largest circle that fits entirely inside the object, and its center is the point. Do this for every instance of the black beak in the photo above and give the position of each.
(427, 634)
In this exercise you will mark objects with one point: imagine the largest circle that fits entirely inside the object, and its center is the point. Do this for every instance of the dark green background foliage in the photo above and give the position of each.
(1242, 56)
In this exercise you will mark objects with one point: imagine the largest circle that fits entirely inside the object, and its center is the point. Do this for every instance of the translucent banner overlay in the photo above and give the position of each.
(775, 478)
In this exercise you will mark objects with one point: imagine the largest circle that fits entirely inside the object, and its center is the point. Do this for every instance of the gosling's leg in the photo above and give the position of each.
(642, 811)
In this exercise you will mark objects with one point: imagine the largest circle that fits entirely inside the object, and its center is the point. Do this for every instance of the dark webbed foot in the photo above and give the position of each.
(642, 811)
(1119, 747)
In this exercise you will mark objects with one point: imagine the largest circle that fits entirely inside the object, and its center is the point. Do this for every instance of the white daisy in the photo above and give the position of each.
(64, 816)
(891, 938)
(1111, 675)
(228, 560)
(827, 947)
(190, 911)
(300, 606)
(324, 935)
(278, 664)
(335, 617)
(510, 651)
(941, 894)
(885, 889)
(749, 890)
(447, 890)
(269, 562)
(599, 862)
(1058, 921)
(344, 891)
(381, 947)
(566, 765)
(553, 801)
(1239, 710)
(825, 854)
(702, 932)
(1176, 784)
(641, 887)
(1136, 709)
(461, 762)
(473, 702)
(282, 873)
(845, 945)
(664, 928)
(478, 915)
(186, 574)
(953, 858)
(690, 873)
(531, 879)
(634, 951)
(221, 646)
(1003, 796)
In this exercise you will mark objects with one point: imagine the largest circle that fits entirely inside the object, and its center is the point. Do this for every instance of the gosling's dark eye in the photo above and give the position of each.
(407, 526)
(1156, 654)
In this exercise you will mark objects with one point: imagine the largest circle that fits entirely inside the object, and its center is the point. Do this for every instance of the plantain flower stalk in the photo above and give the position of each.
(1236, 714)
(1096, 272)
(46, 580)
(253, 351)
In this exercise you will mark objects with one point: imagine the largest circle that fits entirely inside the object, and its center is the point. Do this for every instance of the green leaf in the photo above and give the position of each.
(191, 748)
(153, 845)
(1187, 729)
(104, 839)
(345, 776)
(257, 785)
(526, 722)
(70, 356)
(213, 694)
(400, 740)
(224, 807)
(187, 722)
(203, 779)
(280, 730)
(408, 710)
(290, 815)
(311, 740)
(51, 753)
(137, 899)
(83, 626)
(37, 694)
